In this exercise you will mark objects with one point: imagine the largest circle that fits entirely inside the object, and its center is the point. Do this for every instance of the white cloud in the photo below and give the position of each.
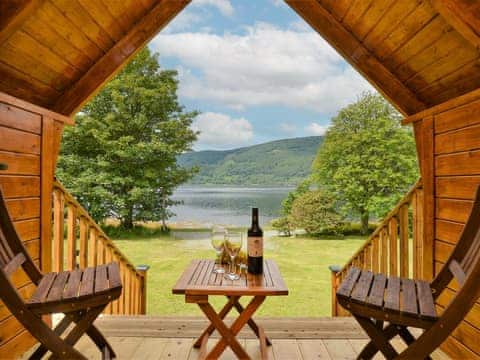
(315, 129)
(288, 128)
(220, 131)
(224, 6)
(264, 65)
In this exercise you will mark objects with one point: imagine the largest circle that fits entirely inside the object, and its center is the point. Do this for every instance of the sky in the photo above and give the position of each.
(256, 71)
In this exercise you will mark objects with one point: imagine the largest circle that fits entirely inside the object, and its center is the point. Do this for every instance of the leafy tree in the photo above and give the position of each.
(120, 159)
(284, 223)
(367, 159)
(315, 211)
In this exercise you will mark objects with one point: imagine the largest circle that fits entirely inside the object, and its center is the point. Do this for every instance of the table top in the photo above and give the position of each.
(199, 279)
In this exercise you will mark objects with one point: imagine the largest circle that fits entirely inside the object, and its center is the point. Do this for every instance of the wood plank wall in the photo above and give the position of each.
(456, 175)
(29, 142)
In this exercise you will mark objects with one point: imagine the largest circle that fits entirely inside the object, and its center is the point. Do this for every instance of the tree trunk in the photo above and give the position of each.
(364, 217)
(127, 221)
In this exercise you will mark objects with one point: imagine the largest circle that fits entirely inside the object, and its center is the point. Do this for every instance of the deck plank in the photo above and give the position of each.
(253, 349)
(150, 349)
(339, 349)
(313, 349)
(177, 349)
(284, 349)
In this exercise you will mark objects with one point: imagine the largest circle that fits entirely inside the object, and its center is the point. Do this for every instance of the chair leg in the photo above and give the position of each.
(97, 337)
(59, 329)
(378, 337)
(82, 326)
(371, 349)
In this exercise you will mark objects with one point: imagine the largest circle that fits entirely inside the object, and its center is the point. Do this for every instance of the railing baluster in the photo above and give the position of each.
(83, 256)
(404, 253)
(58, 230)
(375, 254)
(393, 238)
(384, 251)
(71, 237)
(92, 247)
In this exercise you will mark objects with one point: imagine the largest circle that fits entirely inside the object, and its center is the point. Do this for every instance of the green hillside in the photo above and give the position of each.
(281, 162)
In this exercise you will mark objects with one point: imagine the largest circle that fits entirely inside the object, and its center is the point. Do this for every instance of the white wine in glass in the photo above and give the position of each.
(233, 244)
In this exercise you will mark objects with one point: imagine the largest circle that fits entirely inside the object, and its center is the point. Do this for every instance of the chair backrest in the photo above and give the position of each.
(465, 257)
(12, 252)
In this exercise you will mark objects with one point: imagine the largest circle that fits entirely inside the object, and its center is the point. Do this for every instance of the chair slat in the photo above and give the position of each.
(101, 279)
(392, 297)
(378, 291)
(14, 264)
(425, 300)
(409, 297)
(457, 271)
(73, 285)
(362, 287)
(348, 283)
(6, 254)
(56, 291)
(88, 279)
(114, 275)
(43, 289)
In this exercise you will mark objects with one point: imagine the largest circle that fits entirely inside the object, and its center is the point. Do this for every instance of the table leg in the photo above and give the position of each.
(253, 325)
(228, 334)
(210, 329)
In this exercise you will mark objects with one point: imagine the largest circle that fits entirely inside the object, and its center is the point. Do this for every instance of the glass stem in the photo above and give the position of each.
(232, 264)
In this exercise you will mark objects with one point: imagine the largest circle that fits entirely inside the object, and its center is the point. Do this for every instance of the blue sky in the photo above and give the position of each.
(255, 70)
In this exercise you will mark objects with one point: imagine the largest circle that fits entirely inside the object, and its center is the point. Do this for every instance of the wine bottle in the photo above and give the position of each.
(255, 245)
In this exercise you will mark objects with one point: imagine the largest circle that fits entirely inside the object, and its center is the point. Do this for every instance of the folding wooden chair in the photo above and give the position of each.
(374, 299)
(80, 294)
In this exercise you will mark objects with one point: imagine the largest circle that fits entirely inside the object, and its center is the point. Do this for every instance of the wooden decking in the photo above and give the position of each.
(148, 337)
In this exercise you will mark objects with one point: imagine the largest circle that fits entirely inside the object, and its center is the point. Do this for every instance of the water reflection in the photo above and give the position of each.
(227, 205)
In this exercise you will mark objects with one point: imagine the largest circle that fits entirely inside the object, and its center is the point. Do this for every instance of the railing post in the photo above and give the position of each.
(58, 230)
(334, 269)
(142, 270)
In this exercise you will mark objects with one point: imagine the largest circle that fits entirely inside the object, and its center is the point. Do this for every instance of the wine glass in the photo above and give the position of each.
(218, 243)
(233, 244)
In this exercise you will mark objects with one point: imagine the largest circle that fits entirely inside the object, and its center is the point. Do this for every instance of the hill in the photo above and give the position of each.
(281, 162)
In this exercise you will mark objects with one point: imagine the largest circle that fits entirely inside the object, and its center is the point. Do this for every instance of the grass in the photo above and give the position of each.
(303, 262)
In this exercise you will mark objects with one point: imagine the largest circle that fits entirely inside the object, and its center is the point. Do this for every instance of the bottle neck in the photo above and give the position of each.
(255, 223)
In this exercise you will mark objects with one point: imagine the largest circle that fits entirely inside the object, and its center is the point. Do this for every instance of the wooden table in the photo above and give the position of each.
(198, 282)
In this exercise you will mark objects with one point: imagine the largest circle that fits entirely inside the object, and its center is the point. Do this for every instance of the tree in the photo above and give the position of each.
(315, 212)
(284, 223)
(367, 159)
(120, 159)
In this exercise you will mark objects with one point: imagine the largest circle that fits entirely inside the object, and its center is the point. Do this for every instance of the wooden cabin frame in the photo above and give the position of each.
(422, 55)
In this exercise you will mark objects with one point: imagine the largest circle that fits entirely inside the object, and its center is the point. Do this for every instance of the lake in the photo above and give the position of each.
(227, 205)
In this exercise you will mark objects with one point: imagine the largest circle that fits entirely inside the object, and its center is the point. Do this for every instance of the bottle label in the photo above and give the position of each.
(255, 246)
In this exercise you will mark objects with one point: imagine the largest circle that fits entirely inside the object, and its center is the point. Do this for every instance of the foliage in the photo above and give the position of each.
(367, 159)
(282, 162)
(316, 213)
(284, 224)
(120, 158)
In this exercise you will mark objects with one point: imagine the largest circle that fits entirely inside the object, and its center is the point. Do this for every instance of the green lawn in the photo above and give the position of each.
(303, 262)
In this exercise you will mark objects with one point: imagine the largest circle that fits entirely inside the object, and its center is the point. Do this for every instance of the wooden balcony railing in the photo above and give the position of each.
(394, 248)
(78, 242)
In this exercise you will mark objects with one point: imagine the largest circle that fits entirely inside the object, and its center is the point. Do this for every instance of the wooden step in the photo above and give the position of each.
(191, 327)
